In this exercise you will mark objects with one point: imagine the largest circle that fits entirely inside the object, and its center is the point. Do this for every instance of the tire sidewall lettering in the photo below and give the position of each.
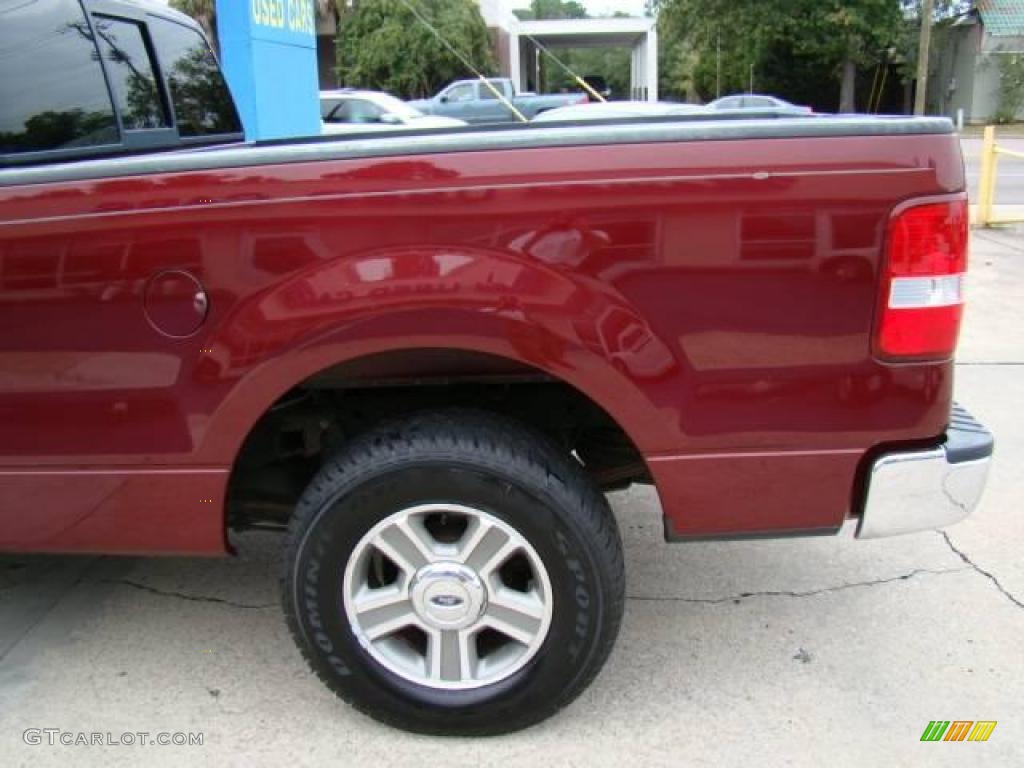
(581, 595)
(311, 610)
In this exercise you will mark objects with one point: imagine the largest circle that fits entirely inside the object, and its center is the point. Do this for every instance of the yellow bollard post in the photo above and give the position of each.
(987, 182)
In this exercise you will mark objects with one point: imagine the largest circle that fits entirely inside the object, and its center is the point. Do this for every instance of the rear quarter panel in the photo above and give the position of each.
(716, 298)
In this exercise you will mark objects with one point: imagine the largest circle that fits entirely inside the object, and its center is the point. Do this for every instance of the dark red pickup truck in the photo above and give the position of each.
(427, 356)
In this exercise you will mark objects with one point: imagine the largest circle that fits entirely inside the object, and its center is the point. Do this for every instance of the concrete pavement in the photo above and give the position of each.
(797, 652)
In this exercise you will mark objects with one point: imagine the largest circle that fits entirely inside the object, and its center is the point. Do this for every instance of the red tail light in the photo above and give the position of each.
(923, 282)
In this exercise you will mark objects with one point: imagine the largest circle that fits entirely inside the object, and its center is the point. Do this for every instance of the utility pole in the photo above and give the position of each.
(718, 66)
(927, 10)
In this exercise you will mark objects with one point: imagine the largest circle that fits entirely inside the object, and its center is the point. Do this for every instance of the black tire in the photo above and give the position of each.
(472, 458)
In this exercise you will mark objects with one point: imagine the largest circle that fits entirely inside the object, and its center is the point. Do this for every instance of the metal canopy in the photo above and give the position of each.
(1002, 18)
(638, 34)
(584, 33)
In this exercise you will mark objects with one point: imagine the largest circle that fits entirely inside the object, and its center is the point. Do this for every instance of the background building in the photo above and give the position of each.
(639, 35)
(517, 55)
(326, 30)
(966, 71)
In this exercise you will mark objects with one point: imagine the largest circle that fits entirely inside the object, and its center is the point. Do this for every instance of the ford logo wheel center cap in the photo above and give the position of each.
(448, 595)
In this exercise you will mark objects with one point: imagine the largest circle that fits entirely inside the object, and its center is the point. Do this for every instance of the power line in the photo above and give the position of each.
(579, 80)
(465, 62)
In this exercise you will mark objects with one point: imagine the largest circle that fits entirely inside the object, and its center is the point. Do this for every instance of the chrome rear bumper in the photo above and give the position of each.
(912, 491)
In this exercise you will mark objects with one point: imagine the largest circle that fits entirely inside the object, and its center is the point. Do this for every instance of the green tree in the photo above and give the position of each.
(844, 36)
(613, 64)
(777, 44)
(552, 9)
(716, 35)
(1011, 84)
(382, 45)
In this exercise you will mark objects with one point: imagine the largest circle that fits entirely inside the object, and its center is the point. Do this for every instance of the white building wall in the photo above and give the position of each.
(497, 14)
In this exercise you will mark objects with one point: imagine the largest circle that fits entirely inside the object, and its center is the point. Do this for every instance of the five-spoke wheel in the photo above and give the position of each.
(447, 596)
(454, 573)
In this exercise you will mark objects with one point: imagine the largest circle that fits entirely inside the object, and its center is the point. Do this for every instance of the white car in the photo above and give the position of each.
(757, 102)
(617, 110)
(351, 111)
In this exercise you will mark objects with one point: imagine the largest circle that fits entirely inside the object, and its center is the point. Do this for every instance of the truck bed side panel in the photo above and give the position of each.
(716, 298)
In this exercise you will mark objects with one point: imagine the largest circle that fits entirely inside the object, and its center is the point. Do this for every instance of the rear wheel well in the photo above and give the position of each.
(314, 419)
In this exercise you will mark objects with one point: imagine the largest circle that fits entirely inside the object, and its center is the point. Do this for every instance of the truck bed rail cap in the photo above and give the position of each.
(475, 139)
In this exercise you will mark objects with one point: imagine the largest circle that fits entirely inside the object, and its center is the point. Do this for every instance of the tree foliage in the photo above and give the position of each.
(382, 45)
(1011, 85)
(613, 64)
(552, 9)
(796, 48)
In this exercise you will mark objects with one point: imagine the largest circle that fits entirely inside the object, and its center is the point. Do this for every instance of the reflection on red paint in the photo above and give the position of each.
(710, 305)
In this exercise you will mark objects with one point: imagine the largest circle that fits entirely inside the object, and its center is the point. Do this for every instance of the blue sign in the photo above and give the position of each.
(268, 51)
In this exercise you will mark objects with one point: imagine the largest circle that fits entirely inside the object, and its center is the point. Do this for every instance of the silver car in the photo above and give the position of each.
(756, 102)
(352, 111)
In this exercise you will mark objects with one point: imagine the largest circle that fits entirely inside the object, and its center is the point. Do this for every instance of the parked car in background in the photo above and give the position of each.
(616, 110)
(474, 102)
(756, 102)
(351, 111)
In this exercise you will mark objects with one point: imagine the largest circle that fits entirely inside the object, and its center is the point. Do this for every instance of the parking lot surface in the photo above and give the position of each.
(802, 652)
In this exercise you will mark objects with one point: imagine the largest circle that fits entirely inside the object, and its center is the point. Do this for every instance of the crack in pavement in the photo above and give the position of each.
(184, 596)
(975, 567)
(791, 593)
(998, 241)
